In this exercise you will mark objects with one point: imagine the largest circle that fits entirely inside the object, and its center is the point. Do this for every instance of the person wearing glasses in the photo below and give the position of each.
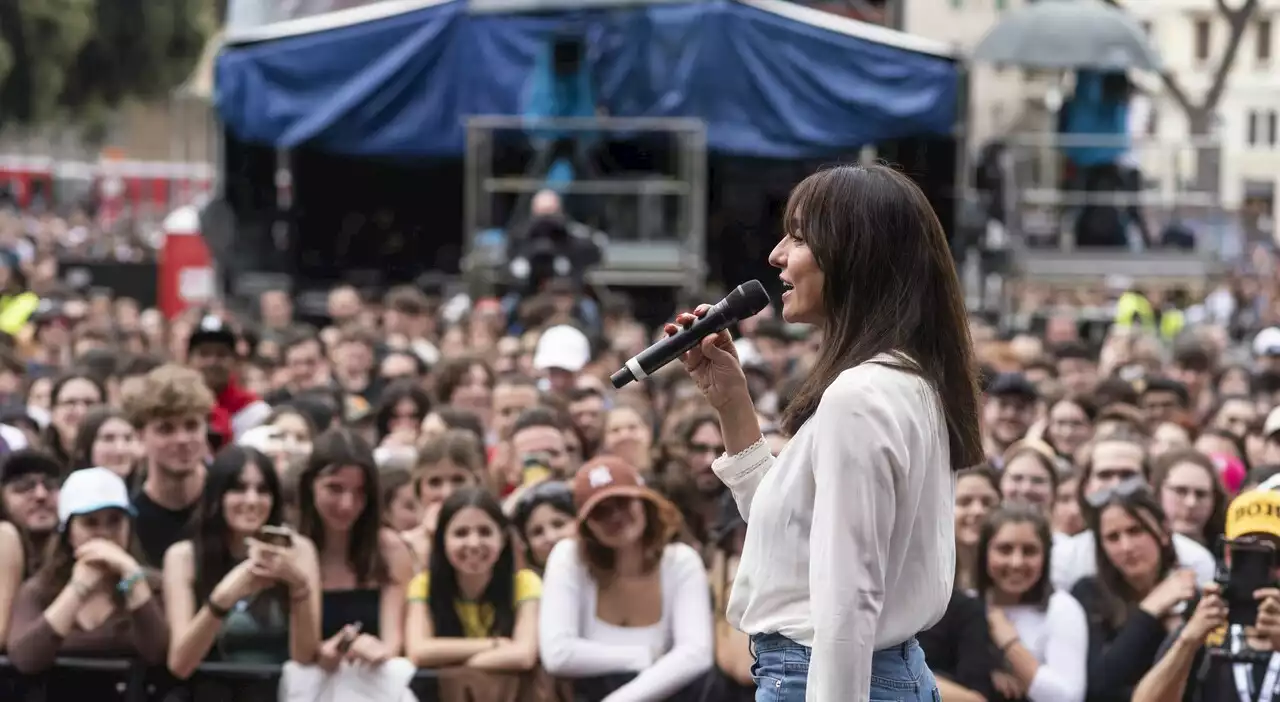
(29, 481)
(1108, 462)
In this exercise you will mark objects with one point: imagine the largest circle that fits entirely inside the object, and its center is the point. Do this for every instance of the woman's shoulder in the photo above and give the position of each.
(1063, 604)
(884, 381)
(681, 560)
(528, 585)
(564, 554)
(180, 554)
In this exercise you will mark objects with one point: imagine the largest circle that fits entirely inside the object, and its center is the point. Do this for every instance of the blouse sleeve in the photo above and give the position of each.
(689, 597)
(855, 479)
(33, 644)
(564, 651)
(742, 473)
(1061, 677)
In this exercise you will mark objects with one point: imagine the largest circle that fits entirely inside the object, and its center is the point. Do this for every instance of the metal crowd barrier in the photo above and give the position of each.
(138, 683)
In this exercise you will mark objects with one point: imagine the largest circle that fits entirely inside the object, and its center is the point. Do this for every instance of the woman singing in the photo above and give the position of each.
(850, 549)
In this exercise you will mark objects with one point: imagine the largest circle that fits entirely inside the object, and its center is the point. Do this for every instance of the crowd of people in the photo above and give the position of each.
(460, 488)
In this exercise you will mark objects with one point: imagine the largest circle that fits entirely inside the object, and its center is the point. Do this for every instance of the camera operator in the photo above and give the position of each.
(1198, 663)
(553, 246)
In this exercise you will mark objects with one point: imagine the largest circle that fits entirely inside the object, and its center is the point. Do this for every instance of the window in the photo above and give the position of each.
(1202, 40)
(1263, 128)
(1262, 49)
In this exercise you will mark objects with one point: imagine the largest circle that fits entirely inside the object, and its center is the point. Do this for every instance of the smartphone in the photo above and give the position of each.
(276, 536)
(344, 644)
(1250, 567)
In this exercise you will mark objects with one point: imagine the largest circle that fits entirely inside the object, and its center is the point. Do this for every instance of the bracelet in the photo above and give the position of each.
(125, 586)
(496, 643)
(82, 591)
(214, 609)
(1009, 644)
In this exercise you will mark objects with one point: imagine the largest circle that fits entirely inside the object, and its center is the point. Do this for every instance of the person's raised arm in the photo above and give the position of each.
(692, 652)
(12, 565)
(714, 366)
(37, 633)
(304, 604)
(150, 630)
(855, 474)
(564, 652)
(1167, 679)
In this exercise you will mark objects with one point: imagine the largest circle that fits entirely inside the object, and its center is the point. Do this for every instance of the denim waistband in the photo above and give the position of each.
(773, 641)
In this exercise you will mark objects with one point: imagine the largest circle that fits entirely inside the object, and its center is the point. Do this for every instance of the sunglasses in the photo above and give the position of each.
(1119, 491)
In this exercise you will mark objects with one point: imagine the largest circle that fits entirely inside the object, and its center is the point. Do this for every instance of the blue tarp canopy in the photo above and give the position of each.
(771, 79)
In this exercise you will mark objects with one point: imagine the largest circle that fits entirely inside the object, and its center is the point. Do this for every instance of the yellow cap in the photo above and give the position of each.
(1254, 512)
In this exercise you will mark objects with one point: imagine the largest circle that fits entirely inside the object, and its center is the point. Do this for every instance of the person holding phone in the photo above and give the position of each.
(243, 589)
(1182, 672)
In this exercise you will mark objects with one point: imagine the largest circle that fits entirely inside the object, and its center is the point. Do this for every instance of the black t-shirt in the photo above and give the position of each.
(959, 646)
(159, 528)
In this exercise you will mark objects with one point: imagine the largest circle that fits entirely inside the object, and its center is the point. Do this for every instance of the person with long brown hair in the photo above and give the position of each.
(91, 597)
(850, 549)
(364, 566)
(626, 612)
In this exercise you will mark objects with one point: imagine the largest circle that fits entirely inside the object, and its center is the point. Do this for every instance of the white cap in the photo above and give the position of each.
(563, 347)
(1272, 425)
(90, 490)
(1267, 342)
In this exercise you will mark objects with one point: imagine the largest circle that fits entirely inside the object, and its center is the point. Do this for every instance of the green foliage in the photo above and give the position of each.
(77, 60)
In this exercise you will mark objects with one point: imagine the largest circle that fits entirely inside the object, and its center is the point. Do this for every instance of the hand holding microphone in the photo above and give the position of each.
(713, 363)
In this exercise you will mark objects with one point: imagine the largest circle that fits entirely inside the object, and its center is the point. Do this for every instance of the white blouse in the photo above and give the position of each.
(1058, 636)
(850, 546)
(667, 656)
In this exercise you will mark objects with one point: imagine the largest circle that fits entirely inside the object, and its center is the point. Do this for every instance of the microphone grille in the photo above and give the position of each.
(747, 299)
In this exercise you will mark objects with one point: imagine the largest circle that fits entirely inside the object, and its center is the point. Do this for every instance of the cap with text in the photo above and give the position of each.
(1254, 512)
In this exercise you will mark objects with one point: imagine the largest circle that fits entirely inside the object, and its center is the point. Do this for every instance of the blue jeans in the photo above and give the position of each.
(898, 674)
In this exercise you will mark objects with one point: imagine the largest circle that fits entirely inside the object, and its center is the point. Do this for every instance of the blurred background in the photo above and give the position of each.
(1070, 147)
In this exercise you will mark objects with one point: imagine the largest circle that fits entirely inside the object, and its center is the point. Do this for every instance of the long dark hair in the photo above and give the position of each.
(87, 434)
(890, 287)
(211, 541)
(391, 396)
(500, 593)
(1117, 596)
(1039, 593)
(333, 449)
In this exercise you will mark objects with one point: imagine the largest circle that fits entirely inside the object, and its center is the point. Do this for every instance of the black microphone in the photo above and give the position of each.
(745, 300)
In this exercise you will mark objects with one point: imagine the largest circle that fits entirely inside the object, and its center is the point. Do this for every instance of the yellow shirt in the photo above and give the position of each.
(477, 618)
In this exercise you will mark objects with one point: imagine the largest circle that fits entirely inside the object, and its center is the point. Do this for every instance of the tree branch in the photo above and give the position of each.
(1239, 21)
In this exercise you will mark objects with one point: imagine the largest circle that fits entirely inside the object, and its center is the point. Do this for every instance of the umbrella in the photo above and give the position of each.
(1069, 34)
